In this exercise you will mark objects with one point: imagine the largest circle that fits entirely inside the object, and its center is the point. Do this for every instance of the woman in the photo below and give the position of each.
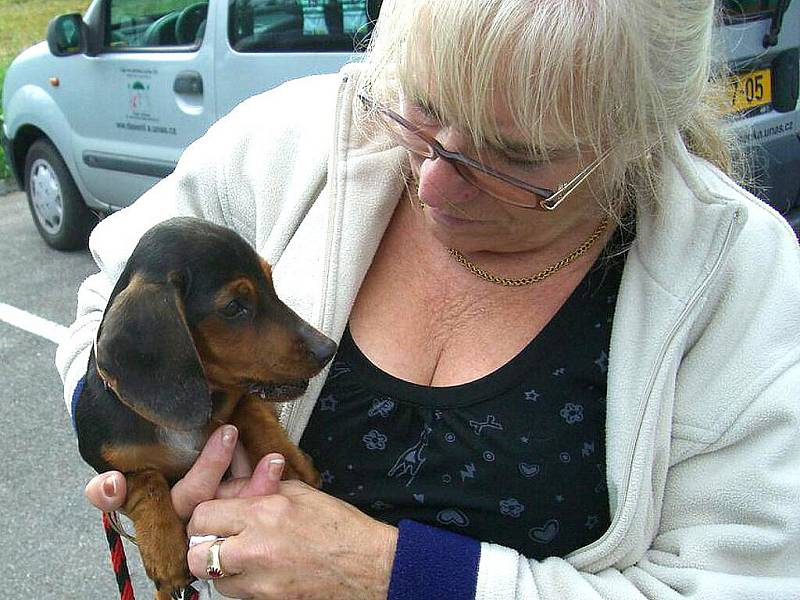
(564, 332)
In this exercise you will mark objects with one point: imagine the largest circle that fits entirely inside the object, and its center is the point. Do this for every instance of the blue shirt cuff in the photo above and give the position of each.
(433, 563)
(75, 395)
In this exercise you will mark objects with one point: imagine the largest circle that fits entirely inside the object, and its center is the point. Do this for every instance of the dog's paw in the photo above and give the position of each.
(170, 583)
(164, 559)
(177, 595)
(169, 578)
(303, 469)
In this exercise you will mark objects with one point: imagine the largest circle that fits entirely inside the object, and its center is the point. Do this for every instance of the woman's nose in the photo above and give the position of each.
(440, 182)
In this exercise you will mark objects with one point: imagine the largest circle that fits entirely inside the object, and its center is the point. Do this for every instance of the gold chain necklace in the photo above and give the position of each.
(543, 274)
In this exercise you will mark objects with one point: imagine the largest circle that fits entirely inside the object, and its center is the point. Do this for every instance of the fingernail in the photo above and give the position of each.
(275, 469)
(110, 486)
(228, 435)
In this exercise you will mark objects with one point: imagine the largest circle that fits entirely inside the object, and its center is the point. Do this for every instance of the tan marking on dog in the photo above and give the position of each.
(256, 350)
(156, 457)
(242, 287)
(267, 269)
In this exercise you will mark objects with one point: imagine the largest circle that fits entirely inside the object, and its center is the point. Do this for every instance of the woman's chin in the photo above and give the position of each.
(473, 238)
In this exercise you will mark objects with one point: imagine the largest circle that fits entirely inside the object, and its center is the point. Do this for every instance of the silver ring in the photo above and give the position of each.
(213, 564)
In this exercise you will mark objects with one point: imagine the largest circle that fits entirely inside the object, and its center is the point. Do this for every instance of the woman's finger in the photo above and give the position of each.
(266, 477)
(264, 481)
(107, 491)
(201, 482)
(223, 517)
(267, 480)
(199, 557)
(240, 465)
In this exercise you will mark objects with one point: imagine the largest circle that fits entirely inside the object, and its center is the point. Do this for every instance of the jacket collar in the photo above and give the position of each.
(687, 226)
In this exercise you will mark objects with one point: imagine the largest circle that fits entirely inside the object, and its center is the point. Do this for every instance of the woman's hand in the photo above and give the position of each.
(204, 480)
(297, 543)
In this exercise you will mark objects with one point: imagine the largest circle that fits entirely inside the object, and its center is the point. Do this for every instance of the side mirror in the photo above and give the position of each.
(66, 35)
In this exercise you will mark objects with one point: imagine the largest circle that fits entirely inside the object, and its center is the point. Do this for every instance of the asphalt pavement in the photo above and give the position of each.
(52, 545)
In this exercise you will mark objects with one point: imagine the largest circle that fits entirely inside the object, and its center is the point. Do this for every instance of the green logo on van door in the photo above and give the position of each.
(139, 98)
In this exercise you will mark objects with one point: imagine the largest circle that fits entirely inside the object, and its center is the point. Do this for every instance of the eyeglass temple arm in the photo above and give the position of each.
(555, 200)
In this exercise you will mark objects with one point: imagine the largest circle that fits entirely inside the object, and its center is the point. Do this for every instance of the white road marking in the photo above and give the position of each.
(32, 324)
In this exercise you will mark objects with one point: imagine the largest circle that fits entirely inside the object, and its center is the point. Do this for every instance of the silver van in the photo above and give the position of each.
(760, 41)
(101, 111)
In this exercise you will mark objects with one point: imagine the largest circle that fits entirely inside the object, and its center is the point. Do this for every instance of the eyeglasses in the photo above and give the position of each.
(501, 186)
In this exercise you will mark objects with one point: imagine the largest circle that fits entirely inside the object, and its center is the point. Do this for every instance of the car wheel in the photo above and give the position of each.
(58, 210)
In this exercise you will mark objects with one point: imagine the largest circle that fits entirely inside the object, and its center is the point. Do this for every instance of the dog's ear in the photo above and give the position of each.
(147, 356)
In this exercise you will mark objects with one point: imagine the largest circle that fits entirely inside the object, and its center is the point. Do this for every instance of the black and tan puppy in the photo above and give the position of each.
(193, 336)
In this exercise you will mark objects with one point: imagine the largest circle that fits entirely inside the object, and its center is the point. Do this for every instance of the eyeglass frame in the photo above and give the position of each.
(546, 200)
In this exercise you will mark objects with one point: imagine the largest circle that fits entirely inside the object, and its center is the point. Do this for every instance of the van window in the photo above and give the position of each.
(298, 25)
(748, 9)
(155, 23)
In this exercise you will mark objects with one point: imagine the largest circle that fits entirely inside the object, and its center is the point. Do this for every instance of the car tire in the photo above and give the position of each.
(58, 210)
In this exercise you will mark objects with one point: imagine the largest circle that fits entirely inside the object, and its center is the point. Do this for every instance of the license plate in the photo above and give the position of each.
(749, 90)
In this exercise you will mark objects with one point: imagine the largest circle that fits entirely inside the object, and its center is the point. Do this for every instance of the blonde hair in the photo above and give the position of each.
(624, 74)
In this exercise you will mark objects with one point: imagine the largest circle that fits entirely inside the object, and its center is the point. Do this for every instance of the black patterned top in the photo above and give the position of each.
(515, 458)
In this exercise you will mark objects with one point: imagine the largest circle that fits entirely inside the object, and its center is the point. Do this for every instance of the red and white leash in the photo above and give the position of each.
(197, 590)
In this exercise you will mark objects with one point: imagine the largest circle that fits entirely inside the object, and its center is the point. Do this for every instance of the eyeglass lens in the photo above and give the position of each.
(502, 190)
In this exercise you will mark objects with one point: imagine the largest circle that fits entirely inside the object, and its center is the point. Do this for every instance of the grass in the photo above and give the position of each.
(23, 23)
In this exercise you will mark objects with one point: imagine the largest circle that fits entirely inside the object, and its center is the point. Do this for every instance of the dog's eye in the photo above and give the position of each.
(233, 310)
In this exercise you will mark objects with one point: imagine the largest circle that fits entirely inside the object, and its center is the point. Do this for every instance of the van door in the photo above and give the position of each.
(147, 95)
(761, 45)
(268, 42)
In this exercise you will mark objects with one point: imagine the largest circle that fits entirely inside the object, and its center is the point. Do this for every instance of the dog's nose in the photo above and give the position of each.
(318, 348)
(322, 348)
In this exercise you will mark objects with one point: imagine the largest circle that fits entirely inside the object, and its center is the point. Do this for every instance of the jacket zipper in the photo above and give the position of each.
(294, 407)
(651, 383)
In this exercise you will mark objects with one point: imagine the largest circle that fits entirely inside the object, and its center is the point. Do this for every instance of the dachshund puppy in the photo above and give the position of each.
(193, 336)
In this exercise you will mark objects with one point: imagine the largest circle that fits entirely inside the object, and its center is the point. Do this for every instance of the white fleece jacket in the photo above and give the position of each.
(703, 405)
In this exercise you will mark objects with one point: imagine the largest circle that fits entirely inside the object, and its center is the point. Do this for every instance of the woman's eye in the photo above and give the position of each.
(233, 310)
(530, 163)
(427, 111)
(422, 111)
(501, 160)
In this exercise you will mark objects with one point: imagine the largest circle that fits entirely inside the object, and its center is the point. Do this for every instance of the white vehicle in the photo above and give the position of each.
(101, 111)
(761, 45)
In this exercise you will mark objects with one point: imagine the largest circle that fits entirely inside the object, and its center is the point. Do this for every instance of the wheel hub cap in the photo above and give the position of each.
(46, 196)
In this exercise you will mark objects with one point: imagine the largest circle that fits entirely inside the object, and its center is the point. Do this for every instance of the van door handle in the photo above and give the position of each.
(188, 82)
